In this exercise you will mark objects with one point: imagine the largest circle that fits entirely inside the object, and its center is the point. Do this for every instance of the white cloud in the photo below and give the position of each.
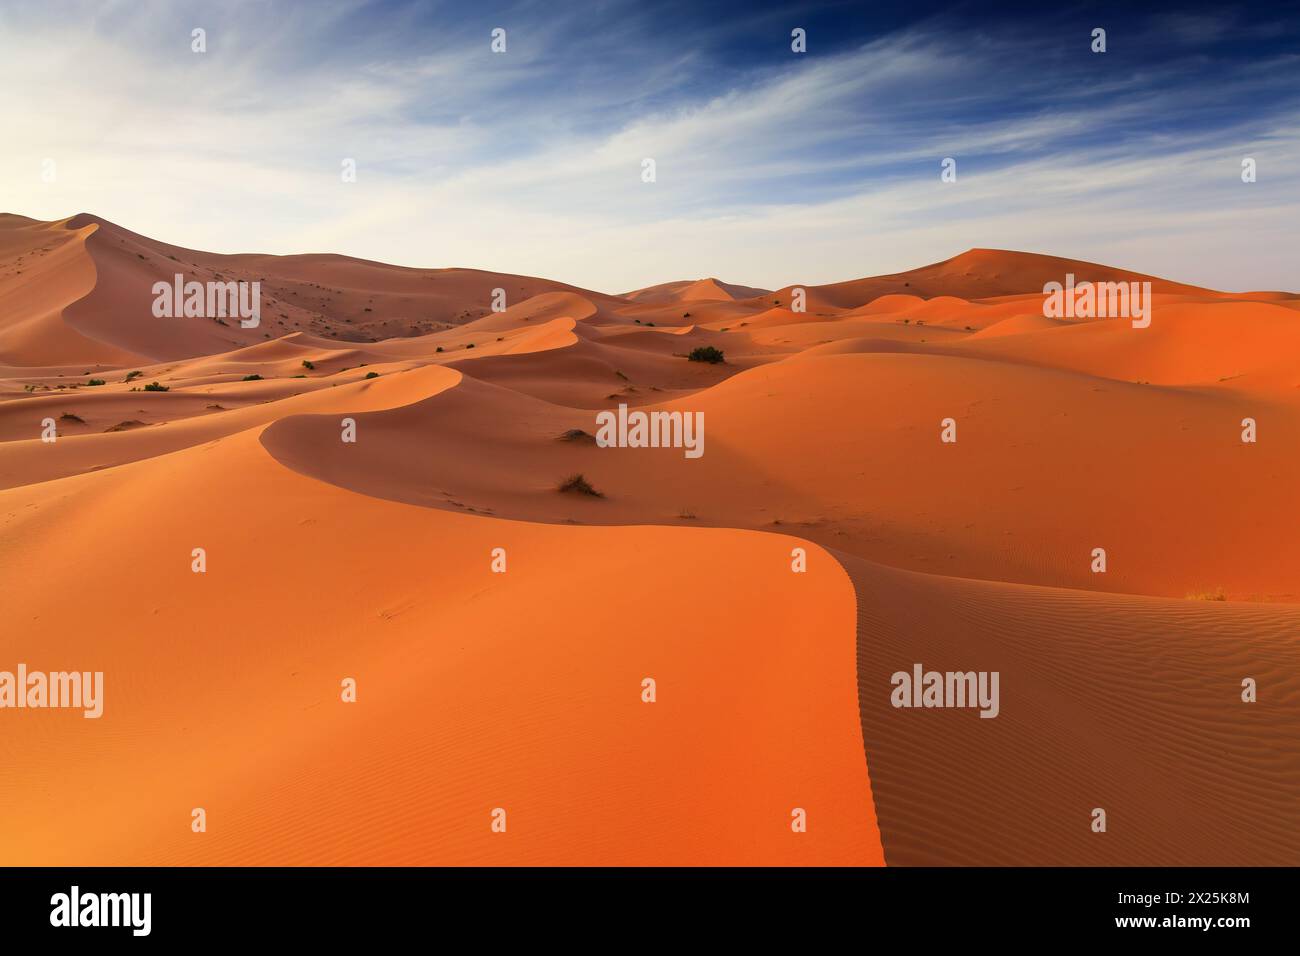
(806, 170)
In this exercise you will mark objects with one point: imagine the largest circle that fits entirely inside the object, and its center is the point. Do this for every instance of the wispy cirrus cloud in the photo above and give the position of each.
(772, 167)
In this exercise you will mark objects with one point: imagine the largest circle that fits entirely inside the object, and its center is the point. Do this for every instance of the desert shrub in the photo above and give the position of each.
(309, 366)
(706, 353)
(372, 375)
(252, 378)
(155, 387)
(96, 381)
(579, 485)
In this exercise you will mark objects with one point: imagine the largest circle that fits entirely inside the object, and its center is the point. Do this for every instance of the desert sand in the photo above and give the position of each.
(522, 690)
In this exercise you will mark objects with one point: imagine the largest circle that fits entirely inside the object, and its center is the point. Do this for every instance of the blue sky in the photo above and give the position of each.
(772, 167)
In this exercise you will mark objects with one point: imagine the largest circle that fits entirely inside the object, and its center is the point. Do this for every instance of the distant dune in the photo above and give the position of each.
(695, 291)
(372, 559)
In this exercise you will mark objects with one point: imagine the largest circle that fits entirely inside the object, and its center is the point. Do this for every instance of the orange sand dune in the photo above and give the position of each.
(875, 480)
(162, 423)
(107, 275)
(1129, 704)
(694, 291)
(44, 269)
(475, 690)
(372, 559)
(981, 274)
(592, 369)
(1247, 345)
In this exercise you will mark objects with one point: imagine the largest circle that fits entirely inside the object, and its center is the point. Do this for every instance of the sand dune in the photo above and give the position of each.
(1128, 704)
(371, 559)
(695, 291)
(475, 690)
(107, 297)
(981, 274)
(875, 480)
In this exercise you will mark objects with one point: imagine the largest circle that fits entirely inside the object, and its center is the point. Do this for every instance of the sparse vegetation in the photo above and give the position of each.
(577, 434)
(309, 366)
(131, 375)
(372, 375)
(252, 378)
(706, 353)
(155, 387)
(96, 381)
(579, 485)
(69, 417)
(125, 426)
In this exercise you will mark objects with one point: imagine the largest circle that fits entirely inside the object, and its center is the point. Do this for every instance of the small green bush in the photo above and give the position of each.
(706, 353)
(155, 387)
